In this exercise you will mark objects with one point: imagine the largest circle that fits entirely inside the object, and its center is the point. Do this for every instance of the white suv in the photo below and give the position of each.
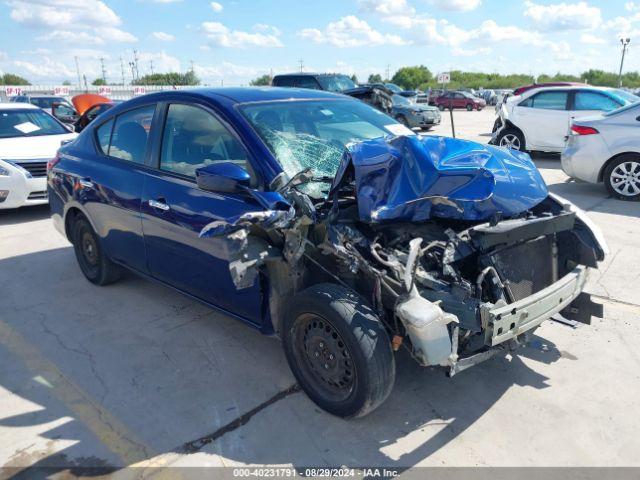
(540, 118)
(29, 138)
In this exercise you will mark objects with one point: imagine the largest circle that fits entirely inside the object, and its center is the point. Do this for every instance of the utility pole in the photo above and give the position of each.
(78, 73)
(104, 72)
(135, 59)
(122, 69)
(625, 44)
(301, 62)
(151, 66)
(133, 72)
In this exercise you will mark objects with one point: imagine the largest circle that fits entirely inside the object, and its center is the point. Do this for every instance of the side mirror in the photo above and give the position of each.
(223, 177)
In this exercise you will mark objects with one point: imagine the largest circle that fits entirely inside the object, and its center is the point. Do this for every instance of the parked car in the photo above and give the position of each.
(57, 106)
(29, 138)
(331, 82)
(311, 216)
(89, 106)
(540, 118)
(414, 115)
(605, 149)
(376, 94)
(459, 100)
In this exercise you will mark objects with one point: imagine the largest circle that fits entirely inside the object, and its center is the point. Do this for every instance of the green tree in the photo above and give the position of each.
(66, 83)
(98, 82)
(261, 81)
(13, 79)
(411, 78)
(375, 78)
(354, 78)
(170, 78)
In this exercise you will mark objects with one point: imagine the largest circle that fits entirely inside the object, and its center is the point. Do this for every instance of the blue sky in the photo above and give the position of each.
(233, 41)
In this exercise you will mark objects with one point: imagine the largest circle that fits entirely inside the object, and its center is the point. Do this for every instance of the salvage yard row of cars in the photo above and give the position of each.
(323, 220)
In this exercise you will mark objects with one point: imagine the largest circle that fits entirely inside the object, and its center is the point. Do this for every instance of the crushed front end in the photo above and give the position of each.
(459, 248)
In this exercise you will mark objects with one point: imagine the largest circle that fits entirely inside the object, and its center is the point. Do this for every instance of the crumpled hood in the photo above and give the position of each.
(411, 178)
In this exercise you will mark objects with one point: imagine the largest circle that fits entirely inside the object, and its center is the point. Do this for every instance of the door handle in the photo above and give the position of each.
(86, 183)
(159, 205)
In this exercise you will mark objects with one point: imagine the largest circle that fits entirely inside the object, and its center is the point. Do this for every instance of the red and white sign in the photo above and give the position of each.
(62, 91)
(13, 91)
(104, 90)
(139, 90)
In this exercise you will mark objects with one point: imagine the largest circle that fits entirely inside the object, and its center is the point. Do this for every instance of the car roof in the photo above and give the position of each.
(565, 88)
(18, 106)
(260, 94)
(310, 74)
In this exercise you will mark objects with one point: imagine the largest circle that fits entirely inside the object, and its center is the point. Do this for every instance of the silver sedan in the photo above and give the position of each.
(606, 149)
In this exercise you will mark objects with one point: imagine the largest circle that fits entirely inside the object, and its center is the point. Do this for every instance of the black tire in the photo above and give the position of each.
(510, 134)
(338, 350)
(622, 177)
(90, 255)
(496, 125)
(469, 107)
(441, 107)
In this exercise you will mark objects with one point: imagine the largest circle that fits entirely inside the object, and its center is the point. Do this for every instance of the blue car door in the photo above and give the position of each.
(110, 185)
(174, 211)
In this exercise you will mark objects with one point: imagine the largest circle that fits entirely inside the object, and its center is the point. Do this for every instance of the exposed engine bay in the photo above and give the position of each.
(460, 250)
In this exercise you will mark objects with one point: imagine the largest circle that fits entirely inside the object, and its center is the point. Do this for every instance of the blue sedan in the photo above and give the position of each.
(315, 217)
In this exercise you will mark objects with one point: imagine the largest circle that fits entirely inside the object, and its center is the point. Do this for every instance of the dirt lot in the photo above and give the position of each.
(132, 373)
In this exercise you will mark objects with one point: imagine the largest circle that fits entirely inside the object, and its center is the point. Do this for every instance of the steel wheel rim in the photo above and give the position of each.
(510, 141)
(323, 357)
(89, 249)
(625, 179)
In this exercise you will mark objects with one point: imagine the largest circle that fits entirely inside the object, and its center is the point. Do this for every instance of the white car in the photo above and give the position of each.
(540, 118)
(29, 138)
(606, 148)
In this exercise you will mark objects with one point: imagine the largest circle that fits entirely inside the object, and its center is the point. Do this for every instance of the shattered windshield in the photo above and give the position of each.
(314, 134)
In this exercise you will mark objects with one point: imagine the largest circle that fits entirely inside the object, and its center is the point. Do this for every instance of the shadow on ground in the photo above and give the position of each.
(18, 216)
(120, 374)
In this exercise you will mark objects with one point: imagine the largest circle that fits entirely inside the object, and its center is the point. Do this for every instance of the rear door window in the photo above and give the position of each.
(104, 136)
(306, 82)
(594, 101)
(129, 139)
(283, 82)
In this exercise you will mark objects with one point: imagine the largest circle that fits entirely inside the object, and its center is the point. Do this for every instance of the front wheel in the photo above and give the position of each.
(512, 139)
(469, 107)
(403, 120)
(338, 350)
(441, 107)
(622, 177)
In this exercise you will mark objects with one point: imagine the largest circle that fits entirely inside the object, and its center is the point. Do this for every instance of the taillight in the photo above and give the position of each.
(582, 130)
(53, 162)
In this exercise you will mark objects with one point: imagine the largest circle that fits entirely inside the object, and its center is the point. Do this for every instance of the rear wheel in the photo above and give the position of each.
(90, 255)
(622, 177)
(338, 350)
(512, 139)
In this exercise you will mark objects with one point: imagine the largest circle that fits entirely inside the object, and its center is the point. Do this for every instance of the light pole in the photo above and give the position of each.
(625, 43)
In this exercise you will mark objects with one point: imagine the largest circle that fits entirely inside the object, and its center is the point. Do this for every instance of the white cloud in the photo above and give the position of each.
(163, 36)
(222, 36)
(462, 52)
(66, 36)
(386, 7)
(590, 39)
(350, 31)
(563, 16)
(216, 7)
(457, 5)
(45, 68)
(84, 17)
